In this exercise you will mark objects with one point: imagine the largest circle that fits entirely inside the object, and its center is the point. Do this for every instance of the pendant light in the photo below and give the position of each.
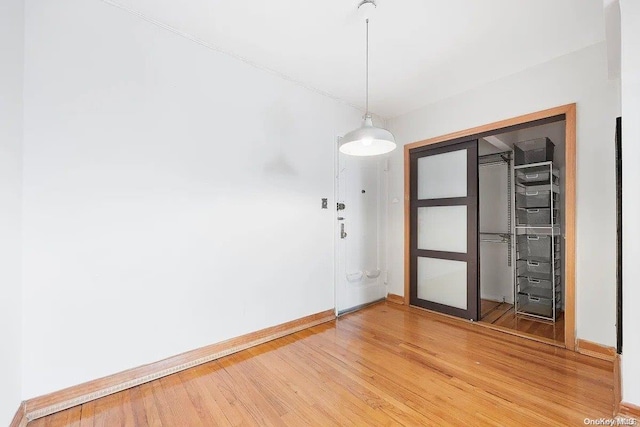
(367, 140)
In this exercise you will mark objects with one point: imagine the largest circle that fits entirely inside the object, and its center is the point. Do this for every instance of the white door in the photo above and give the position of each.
(359, 279)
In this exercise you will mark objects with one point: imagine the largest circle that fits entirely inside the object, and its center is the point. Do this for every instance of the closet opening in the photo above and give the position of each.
(521, 226)
(521, 193)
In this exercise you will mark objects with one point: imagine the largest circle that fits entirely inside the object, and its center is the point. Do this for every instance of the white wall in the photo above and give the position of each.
(630, 19)
(11, 69)
(496, 276)
(171, 195)
(578, 77)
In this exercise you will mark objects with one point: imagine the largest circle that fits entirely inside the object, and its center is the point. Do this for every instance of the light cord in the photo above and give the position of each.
(367, 79)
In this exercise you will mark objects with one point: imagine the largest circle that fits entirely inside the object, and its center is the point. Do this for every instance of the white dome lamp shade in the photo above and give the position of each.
(367, 140)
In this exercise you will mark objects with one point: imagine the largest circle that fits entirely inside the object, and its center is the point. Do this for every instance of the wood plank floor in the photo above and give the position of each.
(503, 314)
(384, 365)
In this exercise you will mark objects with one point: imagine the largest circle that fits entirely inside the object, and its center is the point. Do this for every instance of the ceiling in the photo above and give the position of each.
(421, 50)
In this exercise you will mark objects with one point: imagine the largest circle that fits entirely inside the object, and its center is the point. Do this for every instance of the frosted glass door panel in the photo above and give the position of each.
(443, 175)
(443, 228)
(443, 281)
(443, 239)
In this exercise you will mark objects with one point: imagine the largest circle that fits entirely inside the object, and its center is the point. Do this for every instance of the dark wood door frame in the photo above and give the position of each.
(564, 112)
(471, 256)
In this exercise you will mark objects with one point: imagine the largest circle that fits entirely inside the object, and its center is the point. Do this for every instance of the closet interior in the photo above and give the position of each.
(521, 230)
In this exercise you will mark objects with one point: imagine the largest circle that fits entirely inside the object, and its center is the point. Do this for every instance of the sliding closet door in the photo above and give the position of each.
(444, 229)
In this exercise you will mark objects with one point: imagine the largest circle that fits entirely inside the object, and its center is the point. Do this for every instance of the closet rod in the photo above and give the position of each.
(495, 237)
(494, 158)
(502, 158)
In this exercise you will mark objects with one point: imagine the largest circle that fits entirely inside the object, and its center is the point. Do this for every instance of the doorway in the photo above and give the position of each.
(521, 232)
(360, 194)
(564, 325)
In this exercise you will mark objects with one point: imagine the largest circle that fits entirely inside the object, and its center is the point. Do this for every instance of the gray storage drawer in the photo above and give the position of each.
(535, 305)
(524, 282)
(536, 247)
(537, 287)
(527, 266)
(533, 151)
(535, 216)
(535, 199)
(536, 270)
(535, 176)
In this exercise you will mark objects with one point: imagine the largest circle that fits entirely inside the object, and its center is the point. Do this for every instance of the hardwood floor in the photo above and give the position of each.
(384, 365)
(490, 311)
(503, 315)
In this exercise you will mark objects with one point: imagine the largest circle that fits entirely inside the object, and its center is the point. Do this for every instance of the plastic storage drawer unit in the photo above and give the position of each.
(533, 151)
